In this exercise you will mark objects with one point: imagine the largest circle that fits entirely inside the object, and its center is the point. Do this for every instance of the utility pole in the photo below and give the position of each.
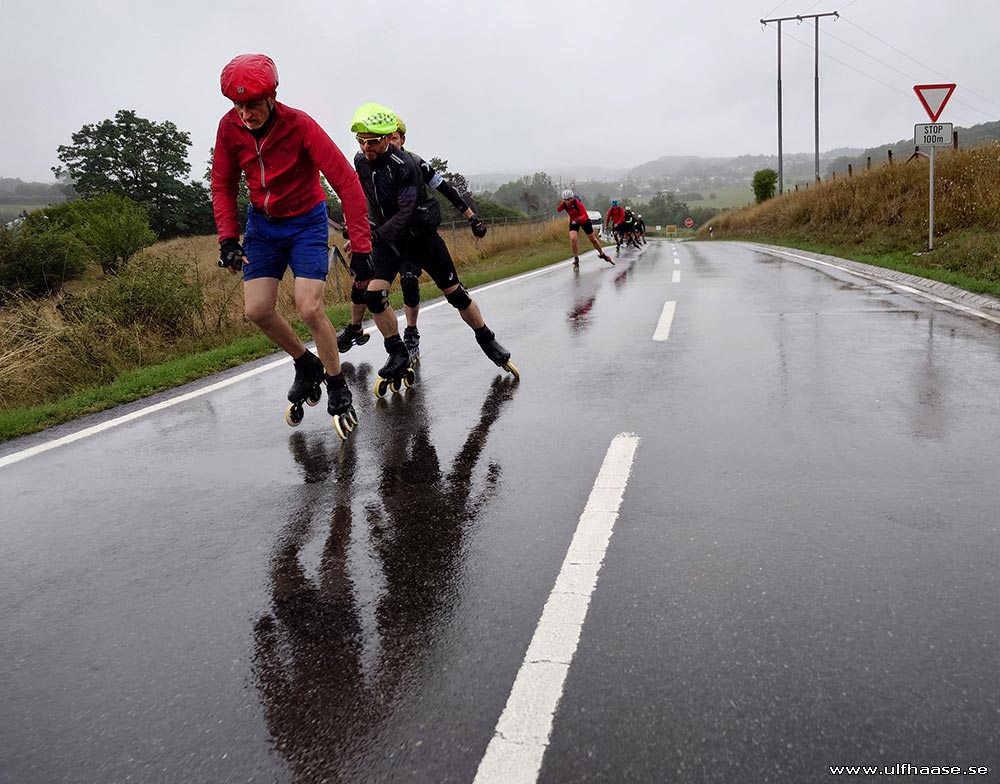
(765, 22)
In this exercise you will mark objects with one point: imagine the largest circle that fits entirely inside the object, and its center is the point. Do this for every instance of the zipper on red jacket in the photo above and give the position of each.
(259, 146)
(263, 179)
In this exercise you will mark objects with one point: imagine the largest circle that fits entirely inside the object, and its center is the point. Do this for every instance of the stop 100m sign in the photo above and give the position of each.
(932, 134)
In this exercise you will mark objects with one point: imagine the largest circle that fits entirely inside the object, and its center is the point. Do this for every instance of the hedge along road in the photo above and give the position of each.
(734, 523)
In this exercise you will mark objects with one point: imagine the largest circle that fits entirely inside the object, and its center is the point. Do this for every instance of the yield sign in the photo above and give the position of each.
(934, 97)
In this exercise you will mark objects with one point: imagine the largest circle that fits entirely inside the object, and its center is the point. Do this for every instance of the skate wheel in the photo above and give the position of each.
(293, 414)
(341, 427)
(396, 384)
(409, 379)
(381, 388)
(314, 397)
(509, 367)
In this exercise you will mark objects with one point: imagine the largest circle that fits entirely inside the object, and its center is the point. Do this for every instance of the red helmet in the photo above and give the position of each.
(249, 77)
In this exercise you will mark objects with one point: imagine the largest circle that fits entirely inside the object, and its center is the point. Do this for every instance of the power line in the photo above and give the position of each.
(775, 8)
(903, 73)
(908, 94)
(918, 62)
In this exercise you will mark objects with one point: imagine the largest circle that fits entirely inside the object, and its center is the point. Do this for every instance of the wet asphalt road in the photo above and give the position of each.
(805, 569)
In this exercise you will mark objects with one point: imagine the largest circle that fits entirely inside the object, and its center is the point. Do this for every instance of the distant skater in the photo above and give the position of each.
(578, 219)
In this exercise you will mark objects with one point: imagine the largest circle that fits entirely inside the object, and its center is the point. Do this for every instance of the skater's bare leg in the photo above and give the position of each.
(260, 298)
(411, 315)
(471, 314)
(309, 304)
(573, 244)
(386, 320)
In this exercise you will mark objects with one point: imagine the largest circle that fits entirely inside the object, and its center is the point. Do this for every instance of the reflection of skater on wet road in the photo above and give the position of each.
(323, 707)
(425, 514)
(307, 661)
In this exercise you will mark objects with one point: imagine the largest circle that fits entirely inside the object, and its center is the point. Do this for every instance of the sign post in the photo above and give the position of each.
(933, 97)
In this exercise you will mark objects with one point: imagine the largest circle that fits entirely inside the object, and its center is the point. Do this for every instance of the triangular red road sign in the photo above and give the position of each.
(934, 97)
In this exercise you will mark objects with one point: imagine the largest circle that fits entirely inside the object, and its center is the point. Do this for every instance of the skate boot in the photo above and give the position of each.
(498, 354)
(606, 258)
(397, 371)
(411, 337)
(576, 262)
(352, 335)
(338, 405)
(305, 388)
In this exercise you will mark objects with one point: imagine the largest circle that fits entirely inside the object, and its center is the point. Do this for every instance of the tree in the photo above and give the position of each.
(764, 183)
(141, 160)
(489, 210)
(536, 195)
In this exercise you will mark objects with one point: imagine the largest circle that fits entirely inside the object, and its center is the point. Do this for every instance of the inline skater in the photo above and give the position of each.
(286, 224)
(640, 228)
(616, 219)
(409, 273)
(405, 219)
(578, 219)
(630, 230)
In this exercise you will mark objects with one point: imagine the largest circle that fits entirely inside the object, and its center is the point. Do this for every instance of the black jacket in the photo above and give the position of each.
(398, 203)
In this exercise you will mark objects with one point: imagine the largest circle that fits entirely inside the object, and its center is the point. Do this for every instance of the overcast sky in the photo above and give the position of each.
(506, 86)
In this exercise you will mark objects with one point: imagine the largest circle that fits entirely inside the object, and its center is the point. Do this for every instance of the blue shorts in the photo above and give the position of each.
(272, 245)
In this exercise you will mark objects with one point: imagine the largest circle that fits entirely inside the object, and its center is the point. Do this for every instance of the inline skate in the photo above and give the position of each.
(498, 354)
(352, 335)
(411, 337)
(397, 371)
(309, 374)
(338, 405)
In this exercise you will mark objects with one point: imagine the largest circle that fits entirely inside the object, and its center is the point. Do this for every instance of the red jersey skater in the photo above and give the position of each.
(578, 219)
(282, 151)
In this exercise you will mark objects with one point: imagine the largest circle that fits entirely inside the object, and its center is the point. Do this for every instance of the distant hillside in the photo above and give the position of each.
(904, 148)
(17, 196)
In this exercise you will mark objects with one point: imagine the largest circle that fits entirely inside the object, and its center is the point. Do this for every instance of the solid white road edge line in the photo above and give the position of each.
(891, 284)
(666, 319)
(16, 457)
(514, 754)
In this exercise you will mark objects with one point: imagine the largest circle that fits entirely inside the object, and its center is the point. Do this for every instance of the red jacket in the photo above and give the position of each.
(576, 211)
(283, 173)
(615, 215)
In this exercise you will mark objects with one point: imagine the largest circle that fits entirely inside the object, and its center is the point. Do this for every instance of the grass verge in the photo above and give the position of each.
(922, 265)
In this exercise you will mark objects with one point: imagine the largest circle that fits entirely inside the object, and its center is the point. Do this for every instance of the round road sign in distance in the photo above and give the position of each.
(688, 222)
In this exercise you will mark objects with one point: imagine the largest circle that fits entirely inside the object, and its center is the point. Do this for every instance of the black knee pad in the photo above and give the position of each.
(377, 301)
(459, 298)
(411, 290)
(358, 296)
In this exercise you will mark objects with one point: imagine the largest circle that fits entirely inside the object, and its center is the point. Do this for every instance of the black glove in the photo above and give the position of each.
(478, 227)
(231, 254)
(361, 266)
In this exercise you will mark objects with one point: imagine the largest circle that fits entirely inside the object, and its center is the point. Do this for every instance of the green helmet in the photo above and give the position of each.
(374, 118)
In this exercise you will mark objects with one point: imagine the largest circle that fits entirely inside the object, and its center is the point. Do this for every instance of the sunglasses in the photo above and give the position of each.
(374, 141)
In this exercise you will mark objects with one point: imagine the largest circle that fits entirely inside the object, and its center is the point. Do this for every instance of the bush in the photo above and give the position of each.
(38, 264)
(112, 227)
(150, 292)
(764, 183)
